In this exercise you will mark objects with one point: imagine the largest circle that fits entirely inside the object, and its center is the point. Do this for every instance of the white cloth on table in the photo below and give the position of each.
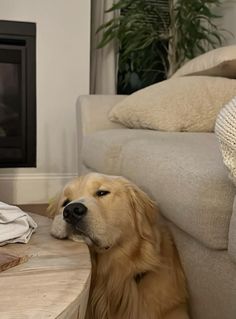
(16, 226)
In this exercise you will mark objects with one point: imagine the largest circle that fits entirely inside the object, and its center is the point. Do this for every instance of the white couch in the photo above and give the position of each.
(185, 174)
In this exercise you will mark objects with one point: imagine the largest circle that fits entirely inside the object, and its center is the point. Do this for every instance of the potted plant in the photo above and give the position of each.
(155, 37)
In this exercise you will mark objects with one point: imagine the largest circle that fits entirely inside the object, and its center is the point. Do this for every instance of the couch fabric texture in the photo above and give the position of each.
(185, 174)
(184, 191)
(232, 234)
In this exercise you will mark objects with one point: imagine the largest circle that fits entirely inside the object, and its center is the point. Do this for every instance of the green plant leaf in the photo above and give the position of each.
(156, 37)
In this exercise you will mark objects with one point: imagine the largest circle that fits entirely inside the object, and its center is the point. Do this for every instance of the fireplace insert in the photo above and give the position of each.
(17, 94)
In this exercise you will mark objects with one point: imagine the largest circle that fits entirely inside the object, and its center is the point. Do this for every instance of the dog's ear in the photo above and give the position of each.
(57, 201)
(54, 205)
(145, 211)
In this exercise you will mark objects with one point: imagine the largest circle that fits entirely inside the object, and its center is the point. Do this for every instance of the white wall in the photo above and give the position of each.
(63, 46)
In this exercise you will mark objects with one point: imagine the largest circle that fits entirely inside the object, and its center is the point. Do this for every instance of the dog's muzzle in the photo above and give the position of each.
(74, 212)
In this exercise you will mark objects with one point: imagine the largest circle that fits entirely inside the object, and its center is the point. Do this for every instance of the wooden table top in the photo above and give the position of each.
(50, 283)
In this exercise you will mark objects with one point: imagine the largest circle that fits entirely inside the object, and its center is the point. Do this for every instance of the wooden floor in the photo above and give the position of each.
(39, 209)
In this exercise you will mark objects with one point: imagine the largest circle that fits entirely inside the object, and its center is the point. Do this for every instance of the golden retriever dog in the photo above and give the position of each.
(136, 271)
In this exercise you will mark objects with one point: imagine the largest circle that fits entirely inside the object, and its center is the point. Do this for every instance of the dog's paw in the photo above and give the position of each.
(59, 227)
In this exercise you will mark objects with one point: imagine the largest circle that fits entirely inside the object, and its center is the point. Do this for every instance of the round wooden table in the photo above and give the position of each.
(53, 283)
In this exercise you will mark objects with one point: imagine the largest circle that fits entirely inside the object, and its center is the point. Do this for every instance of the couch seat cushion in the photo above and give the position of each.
(185, 174)
(102, 150)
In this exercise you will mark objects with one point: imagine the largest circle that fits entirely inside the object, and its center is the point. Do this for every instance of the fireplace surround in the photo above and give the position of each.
(17, 94)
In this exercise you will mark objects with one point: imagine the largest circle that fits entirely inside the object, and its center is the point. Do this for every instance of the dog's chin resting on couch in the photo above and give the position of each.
(136, 271)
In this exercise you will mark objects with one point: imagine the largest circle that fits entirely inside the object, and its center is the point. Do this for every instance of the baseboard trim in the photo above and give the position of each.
(31, 188)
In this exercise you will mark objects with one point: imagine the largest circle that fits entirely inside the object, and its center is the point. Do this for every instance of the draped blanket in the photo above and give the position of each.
(16, 226)
(225, 130)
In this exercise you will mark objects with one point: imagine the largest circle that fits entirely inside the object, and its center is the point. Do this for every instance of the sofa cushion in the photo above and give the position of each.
(211, 276)
(180, 104)
(207, 60)
(101, 150)
(183, 172)
(226, 69)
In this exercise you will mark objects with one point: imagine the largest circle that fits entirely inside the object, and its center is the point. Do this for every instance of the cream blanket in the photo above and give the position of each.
(225, 130)
(16, 226)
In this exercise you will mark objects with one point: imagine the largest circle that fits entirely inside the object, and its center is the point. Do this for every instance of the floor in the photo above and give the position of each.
(39, 209)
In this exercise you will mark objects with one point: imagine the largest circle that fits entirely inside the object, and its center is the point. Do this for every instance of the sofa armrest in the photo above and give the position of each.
(92, 112)
(232, 233)
(92, 115)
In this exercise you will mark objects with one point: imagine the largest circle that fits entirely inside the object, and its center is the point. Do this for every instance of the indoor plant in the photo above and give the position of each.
(156, 36)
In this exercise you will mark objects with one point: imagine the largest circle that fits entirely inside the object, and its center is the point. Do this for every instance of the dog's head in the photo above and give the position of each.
(104, 210)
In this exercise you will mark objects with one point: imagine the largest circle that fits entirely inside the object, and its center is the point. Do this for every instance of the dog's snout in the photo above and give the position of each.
(74, 212)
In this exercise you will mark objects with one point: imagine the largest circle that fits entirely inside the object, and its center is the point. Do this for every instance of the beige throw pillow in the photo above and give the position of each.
(226, 69)
(179, 104)
(207, 60)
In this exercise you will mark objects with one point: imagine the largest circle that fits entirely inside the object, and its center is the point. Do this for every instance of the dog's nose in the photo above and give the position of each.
(74, 212)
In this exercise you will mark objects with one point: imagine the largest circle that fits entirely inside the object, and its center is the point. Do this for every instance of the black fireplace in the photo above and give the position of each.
(17, 94)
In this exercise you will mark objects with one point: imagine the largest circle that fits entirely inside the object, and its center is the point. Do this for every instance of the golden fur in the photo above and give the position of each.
(136, 271)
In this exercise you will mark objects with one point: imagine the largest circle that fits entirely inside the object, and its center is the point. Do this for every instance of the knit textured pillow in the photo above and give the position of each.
(225, 130)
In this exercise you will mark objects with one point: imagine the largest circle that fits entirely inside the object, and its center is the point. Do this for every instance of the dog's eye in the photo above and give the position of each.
(101, 193)
(66, 202)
